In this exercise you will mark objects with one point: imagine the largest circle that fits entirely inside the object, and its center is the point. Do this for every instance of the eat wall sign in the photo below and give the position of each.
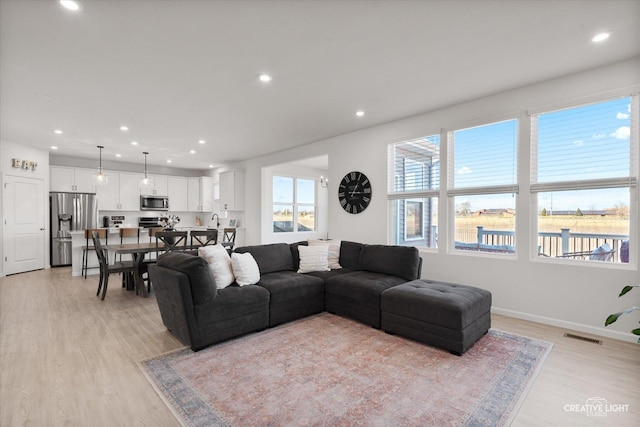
(24, 164)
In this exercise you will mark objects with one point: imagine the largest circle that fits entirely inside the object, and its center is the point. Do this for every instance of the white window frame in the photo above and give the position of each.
(630, 182)
(404, 196)
(296, 205)
(453, 192)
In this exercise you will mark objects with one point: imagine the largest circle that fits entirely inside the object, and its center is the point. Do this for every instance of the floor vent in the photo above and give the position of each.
(581, 338)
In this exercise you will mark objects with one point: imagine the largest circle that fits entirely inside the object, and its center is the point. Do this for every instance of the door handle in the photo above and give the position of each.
(41, 228)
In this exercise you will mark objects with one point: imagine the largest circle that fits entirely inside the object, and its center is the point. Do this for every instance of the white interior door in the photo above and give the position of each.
(24, 224)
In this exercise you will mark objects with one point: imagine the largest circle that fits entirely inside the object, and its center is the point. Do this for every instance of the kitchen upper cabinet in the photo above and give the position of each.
(72, 180)
(200, 194)
(177, 190)
(232, 190)
(120, 193)
(158, 186)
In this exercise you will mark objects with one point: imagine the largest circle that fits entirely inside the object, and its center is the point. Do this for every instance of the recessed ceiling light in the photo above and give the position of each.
(202, 141)
(210, 166)
(360, 113)
(118, 155)
(69, 4)
(168, 160)
(124, 128)
(600, 37)
(265, 78)
(134, 142)
(57, 131)
(53, 147)
(192, 151)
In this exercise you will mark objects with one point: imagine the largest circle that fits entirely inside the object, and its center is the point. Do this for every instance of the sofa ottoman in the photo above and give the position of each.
(445, 315)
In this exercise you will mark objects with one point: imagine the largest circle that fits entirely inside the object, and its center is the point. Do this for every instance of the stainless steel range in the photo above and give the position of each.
(149, 221)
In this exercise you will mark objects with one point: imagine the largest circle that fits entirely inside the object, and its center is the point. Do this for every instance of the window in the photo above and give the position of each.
(483, 186)
(583, 180)
(414, 182)
(294, 198)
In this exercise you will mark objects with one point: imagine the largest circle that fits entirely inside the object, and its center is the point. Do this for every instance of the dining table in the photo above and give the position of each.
(138, 251)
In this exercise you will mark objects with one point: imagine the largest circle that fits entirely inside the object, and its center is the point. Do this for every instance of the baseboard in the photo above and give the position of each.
(608, 333)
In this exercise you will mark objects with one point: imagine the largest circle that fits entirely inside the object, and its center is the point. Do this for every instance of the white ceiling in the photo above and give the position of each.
(179, 71)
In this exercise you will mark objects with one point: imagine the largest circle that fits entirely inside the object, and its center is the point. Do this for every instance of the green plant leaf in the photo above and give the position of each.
(612, 318)
(627, 289)
(636, 331)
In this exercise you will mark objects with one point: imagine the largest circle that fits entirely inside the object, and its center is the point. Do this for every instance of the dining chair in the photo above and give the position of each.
(153, 231)
(103, 233)
(106, 269)
(228, 238)
(171, 241)
(203, 238)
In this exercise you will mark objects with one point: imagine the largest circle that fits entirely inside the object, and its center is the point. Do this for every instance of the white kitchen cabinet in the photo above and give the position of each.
(121, 193)
(200, 194)
(232, 190)
(158, 186)
(72, 180)
(177, 191)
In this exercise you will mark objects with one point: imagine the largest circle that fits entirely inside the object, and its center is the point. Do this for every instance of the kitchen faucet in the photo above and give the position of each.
(218, 219)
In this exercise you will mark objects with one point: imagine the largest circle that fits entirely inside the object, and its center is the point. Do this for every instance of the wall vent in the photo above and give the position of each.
(581, 338)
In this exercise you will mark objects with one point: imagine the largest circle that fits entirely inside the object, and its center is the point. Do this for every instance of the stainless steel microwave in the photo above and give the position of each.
(154, 203)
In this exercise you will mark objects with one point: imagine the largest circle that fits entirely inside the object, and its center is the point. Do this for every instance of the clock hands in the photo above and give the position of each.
(354, 189)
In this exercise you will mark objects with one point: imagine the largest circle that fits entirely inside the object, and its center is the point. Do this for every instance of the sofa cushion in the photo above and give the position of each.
(270, 258)
(350, 254)
(313, 258)
(400, 261)
(245, 269)
(203, 285)
(324, 275)
(289, 285)
(219, 263)
(361, 287)
(233, 302)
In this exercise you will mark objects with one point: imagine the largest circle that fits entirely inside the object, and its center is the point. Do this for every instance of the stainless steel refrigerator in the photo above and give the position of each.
(69, 212)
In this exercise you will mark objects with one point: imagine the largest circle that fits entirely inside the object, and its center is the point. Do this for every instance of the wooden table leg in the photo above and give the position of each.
(137, 277)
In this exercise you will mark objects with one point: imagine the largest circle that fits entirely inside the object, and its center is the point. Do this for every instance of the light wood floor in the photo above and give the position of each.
(69, 359)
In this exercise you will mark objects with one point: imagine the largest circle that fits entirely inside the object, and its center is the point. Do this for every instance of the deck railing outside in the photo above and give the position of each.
(551, 244)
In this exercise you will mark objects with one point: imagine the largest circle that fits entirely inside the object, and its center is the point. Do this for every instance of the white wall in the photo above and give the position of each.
(9, 151)
(577, 297)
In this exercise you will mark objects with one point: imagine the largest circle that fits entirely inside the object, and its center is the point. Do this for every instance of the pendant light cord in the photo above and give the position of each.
(100, 166)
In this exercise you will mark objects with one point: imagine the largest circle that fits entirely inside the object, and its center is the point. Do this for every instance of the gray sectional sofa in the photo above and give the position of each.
(199, 314)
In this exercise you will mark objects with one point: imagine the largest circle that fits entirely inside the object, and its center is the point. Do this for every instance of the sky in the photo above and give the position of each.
(589, 142)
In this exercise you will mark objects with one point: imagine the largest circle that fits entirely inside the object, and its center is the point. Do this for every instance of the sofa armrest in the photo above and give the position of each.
(173, 294)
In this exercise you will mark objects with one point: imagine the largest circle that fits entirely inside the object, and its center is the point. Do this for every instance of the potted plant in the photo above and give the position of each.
(613, 317)
(169, 222)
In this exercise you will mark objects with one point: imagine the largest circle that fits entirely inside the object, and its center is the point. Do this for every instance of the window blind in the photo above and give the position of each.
(583, 147)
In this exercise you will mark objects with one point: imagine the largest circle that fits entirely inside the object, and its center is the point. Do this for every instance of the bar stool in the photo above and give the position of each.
(127, 232)
(103, 233)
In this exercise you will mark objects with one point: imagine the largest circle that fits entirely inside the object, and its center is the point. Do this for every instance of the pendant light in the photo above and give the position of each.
(100, 178)
(145, 182)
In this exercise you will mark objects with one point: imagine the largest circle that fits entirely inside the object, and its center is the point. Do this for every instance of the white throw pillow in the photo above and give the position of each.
(313, 258)
(219, 263)
(334, 251)
(245, 269)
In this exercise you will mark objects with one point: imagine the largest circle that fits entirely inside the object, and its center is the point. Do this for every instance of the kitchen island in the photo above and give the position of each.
(78, 241)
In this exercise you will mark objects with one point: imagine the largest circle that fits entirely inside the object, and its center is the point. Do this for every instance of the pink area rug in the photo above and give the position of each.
(328, 370)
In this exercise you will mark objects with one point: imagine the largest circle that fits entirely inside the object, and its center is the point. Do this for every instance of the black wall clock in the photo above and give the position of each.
(354, 192)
